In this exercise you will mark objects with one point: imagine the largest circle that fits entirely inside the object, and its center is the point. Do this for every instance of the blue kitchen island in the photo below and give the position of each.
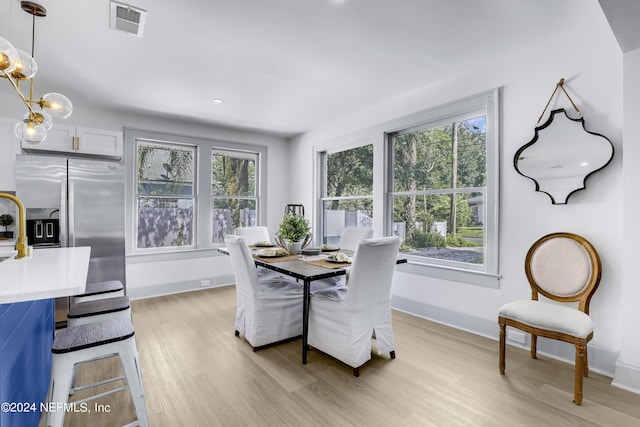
(28, 287)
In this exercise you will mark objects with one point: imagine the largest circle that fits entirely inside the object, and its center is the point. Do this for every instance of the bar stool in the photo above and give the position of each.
(99, 290)
(91, 341)
(100, 309)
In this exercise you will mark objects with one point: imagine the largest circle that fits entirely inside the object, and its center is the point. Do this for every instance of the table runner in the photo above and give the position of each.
(327, 264)
(277, 259)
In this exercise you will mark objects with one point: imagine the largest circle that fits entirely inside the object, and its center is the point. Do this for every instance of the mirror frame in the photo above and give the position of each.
(569, 192)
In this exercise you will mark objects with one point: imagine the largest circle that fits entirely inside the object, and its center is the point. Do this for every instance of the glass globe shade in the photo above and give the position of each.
(30, 131)
(57, 105)
(41, 117)
(8, 56)
(25, 67)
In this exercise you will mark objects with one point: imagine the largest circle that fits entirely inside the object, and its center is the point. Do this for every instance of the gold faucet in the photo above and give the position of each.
(22, 246)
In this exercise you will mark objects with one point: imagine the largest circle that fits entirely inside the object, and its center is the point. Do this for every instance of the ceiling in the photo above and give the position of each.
(281, 66)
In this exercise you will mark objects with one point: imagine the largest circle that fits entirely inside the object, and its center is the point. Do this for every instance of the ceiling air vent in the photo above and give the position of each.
(127, 18)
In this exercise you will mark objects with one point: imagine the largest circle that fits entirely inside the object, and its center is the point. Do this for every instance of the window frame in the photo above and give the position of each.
(202, 181)
(488, 102)
(255, 197)
(322, 184)
(193, 196)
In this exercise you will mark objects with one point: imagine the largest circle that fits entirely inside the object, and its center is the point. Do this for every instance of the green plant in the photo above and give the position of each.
(6, 220)
(294, 227)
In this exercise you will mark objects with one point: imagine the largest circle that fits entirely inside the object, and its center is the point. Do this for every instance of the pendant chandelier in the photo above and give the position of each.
(17, 65)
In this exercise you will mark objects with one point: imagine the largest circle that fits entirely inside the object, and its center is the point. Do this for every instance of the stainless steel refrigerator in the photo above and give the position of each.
(75, 202)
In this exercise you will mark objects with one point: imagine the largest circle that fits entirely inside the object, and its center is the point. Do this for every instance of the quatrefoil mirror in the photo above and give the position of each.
(562, 155)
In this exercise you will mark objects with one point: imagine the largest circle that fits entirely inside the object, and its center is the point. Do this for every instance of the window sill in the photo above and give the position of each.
(479, 278)
(172, 255)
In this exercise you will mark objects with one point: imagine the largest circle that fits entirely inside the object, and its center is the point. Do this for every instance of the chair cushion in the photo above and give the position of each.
(92, 335)
(552, 317)
(96, 307)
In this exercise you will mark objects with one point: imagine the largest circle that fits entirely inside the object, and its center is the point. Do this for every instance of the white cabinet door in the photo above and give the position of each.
(59, 138)
(97, 141)
(69, 139)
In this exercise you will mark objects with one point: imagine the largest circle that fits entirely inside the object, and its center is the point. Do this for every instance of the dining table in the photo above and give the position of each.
(306, 268)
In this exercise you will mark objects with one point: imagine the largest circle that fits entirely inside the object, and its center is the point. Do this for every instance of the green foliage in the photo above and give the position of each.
(424, 161)
(459, 242)
(349, 173)
(294, 227)
(6, 220)
(420, 239)
(471, 232)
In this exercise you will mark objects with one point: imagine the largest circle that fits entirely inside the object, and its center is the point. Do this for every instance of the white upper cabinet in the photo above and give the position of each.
(69, 139)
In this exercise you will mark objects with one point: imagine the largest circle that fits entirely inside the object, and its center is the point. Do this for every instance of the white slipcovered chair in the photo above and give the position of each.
(343, 319)
(351, 236)
(254, 234)
(562, 267)
(349, 240)
(268, 310)
(259, 234)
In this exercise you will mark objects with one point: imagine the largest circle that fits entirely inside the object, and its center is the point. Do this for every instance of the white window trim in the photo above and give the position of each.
(489, 276)
(203, 245)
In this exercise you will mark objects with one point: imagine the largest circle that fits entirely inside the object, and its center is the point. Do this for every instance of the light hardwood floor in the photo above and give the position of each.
(197, 373)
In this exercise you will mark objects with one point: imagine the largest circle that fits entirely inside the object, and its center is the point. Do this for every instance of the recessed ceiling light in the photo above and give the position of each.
(218, 100)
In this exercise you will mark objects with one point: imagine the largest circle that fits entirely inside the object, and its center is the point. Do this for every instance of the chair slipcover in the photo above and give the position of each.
(268, 310)
(252, 235)
(351, 236)
(343, 319)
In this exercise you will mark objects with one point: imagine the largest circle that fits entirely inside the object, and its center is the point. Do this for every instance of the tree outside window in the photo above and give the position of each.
(439, 190)
(347, 199)
(234, 193)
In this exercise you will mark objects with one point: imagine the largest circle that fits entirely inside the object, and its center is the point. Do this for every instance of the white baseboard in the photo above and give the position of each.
(601, 360)
(175, 288)
(627, 377)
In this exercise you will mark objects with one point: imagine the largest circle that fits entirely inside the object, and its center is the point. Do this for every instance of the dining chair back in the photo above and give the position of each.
(343, 319)
(254, 234)
(351, 236)
(268, 310)
(564, 268)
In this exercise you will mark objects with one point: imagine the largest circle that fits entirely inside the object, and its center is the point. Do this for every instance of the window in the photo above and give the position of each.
(233, 191)
(347, 187)
(165, 195)
(185, 193)
(443, 186)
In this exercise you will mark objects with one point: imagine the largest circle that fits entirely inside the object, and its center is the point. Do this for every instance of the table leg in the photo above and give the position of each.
(305, 319)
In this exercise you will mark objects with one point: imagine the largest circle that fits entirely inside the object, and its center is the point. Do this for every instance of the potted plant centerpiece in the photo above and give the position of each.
(6, 220)
(294, 233)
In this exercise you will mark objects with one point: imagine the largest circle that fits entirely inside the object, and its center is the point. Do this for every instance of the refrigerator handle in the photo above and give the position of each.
(71, 215)
(63, 214)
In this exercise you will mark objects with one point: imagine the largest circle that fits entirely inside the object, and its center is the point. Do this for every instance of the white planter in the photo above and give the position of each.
(293, 247)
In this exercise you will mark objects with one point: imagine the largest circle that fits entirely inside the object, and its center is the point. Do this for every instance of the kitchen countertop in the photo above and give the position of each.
(46, 273)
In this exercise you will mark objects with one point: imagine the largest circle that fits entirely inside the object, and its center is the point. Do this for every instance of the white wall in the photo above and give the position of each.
(591, 62)
(150, 276)
(627, 373)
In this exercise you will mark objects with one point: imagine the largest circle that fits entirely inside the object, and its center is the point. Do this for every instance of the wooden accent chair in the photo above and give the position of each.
(563, 267)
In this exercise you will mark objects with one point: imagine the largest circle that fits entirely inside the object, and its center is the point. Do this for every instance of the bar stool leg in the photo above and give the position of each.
(58, 389)
(131, 366)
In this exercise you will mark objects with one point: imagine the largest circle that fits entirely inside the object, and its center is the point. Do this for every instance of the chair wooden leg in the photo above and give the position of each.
(393, 354)
(586, 361)
(503, 332)
(579, 374)
(534, 346)
(356, 372)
